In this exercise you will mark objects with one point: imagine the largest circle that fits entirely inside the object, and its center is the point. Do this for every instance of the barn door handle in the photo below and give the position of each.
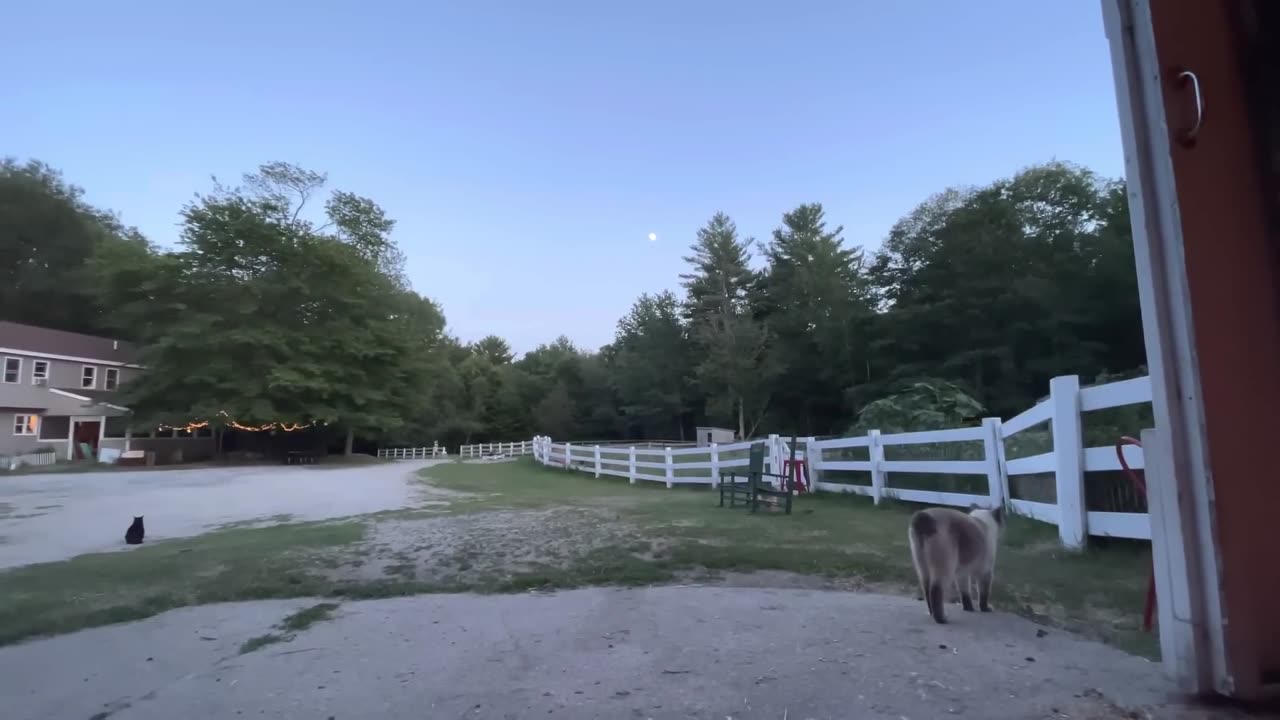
(1188, 136)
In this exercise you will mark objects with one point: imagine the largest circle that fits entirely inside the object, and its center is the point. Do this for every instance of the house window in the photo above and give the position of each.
(117, 426)
(26, 424)
(12, 369)
(39, 371)
(55, 427)
(111, 379)
(89, 377)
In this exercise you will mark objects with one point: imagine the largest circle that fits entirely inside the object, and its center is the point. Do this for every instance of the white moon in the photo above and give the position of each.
(653, 237)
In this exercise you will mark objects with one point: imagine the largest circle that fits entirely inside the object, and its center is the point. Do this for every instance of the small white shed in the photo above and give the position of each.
(708, 435)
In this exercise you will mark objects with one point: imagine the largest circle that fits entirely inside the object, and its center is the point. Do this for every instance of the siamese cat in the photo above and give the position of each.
(136, 531)
(951, 547)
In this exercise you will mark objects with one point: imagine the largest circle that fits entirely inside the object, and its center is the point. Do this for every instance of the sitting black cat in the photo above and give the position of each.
(134, 534)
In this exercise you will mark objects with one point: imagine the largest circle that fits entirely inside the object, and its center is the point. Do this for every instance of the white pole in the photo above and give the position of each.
(715, 464)
(997, 483)
(1068, 454)
(631, 468)
(671, 470)
(875, 451)
(597, 458)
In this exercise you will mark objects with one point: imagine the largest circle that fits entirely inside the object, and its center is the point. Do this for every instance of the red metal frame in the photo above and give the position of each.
(798, 471)
(1149, 610)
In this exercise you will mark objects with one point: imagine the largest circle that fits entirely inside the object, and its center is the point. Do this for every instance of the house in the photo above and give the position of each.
(60, 390)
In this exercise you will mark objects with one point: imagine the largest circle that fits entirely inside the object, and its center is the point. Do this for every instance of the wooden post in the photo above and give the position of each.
(568, 455)
(997, 484)
(715, 464)
(631, 468)
(597, 449)
(671, 470)
(875, 453)
(1068, 455)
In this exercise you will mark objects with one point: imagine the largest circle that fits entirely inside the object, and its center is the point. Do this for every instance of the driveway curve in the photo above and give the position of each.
(56, 516)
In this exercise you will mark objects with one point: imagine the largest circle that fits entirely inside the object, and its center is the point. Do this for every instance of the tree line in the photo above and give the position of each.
(286, 302)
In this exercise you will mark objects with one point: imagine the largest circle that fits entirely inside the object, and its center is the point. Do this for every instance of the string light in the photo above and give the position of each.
(191, 427)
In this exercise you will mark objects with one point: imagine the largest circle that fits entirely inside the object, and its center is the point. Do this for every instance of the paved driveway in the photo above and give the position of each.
(46, 517)
(667, 652)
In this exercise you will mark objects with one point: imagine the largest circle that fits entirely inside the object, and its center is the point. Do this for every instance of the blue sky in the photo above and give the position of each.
(527, 149)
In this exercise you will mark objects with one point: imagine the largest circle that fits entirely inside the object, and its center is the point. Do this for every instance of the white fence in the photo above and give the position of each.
(418, 453)
(1067, 461)
(507, 449)
(35, 458)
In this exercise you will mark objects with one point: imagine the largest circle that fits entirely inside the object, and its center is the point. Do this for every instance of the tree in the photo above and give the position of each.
(817, 301)
(734, 370)
(999, 287)
(497, 350)
(48, 235)
(652, 366)
(554, 413)
(264, 318)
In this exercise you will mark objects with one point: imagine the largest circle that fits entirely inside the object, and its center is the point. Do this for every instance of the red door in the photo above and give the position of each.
(86, 432)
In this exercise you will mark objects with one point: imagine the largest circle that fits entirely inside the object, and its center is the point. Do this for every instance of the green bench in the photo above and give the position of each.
(753, 486)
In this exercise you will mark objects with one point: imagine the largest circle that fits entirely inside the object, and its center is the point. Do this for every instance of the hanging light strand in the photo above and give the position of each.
(279, 425)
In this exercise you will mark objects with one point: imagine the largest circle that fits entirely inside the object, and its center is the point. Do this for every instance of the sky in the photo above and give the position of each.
(528, 149)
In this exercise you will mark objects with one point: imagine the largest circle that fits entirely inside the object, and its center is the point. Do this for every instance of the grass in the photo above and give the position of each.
(292, 625)
(1098, 592)
(663, 535)
(221, 566)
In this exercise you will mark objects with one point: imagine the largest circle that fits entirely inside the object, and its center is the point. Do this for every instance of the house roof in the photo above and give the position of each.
(49, 401)
(17, 337)
(106, 397)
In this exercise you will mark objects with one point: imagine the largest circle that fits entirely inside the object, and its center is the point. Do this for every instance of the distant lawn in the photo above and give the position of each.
(516, 526)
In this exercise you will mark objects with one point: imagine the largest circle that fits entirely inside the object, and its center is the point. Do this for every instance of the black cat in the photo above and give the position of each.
(134, 534)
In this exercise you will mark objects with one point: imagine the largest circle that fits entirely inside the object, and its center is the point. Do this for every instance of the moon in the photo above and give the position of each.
(653, 237)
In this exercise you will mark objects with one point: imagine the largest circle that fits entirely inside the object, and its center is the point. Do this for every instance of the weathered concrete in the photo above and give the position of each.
(57, 516)
(670, 652)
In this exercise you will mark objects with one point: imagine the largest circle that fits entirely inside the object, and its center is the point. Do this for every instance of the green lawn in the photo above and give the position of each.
(603, 531)
(1099, 592)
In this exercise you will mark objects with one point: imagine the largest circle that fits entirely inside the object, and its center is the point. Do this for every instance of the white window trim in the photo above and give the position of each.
(106, 376)
(47, 367)
(4, 370)
(27, 419)
(93, 385)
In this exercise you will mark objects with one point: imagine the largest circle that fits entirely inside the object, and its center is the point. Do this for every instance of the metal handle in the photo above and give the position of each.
(1189, 136)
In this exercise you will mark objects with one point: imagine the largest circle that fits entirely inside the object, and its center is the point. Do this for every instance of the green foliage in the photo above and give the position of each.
(929, 404)
(48, 236)
(286, 301)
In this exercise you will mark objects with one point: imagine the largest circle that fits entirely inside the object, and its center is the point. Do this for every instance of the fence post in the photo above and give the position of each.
(772, 455)
(1068, 453)
(631, 467)
(568, 455)
(812, 461)
(597, 461)
(715, 464)
(671, 469)
(875, 453)
(997, 483)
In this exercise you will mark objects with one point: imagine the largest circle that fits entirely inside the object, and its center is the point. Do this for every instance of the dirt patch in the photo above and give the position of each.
(478, 548)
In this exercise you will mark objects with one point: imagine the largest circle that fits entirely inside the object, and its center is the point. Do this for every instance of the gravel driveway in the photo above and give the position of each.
(664, 652)
(45, 517)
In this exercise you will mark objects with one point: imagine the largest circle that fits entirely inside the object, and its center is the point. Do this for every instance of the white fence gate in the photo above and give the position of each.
(507, 449)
